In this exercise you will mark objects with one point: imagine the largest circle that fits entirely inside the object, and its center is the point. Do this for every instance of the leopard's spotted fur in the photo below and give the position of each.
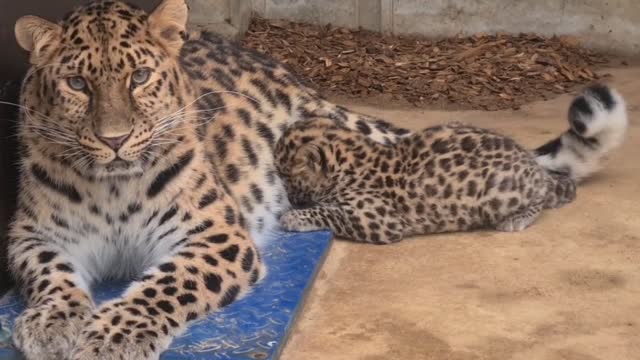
(147, 154)
(444, 178)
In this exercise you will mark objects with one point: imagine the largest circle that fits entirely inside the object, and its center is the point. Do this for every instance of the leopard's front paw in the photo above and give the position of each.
(117, 334)
(298, 221)
(117, 347)
(49, 330)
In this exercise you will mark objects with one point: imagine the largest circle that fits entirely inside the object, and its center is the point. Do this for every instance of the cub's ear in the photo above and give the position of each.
(168, 23)
(38, 36)
(310, 158)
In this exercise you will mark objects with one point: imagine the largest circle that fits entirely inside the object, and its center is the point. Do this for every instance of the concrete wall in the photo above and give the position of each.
(229, 18)
(608, 25)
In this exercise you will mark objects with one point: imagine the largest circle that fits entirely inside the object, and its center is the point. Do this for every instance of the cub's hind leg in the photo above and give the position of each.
(521, 219)
(560, 190)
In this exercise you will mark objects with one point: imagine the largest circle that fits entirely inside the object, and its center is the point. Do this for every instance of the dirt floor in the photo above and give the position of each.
(567, 288)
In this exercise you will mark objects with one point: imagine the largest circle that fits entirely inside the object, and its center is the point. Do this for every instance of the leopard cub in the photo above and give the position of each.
(444, 178)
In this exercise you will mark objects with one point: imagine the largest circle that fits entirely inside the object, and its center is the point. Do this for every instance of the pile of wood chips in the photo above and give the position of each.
(488, 72)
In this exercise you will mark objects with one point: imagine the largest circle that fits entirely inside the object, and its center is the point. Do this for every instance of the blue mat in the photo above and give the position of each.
(255, 328)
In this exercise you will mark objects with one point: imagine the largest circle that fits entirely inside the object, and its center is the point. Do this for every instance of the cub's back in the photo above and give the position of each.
(469, 177)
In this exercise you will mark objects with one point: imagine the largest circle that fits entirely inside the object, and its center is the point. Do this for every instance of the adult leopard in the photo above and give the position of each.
(147, 154)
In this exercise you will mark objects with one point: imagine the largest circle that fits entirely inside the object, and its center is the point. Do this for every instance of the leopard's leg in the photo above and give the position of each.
(364, 219)
(57, 299)
(213, 266)
(521, 219)
(561, 190)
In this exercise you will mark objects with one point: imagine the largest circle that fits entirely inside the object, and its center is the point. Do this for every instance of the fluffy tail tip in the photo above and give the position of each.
(598, 124)
(599, 110)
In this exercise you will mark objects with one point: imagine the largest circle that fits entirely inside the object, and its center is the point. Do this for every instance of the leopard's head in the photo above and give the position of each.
(105, 85)
(306, 161)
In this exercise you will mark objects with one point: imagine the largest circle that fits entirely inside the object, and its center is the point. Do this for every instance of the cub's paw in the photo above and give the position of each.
(515, 224)
(50, 330)
(299, 221)
(118, 334)
(509, 225)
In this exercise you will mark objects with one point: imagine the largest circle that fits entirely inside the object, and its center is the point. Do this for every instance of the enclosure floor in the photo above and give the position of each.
(565, 289)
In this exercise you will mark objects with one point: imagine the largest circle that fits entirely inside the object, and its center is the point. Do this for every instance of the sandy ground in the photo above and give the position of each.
(568, 288)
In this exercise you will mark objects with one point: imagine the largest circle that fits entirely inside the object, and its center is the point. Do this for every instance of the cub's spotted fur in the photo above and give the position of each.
(444, 178)
(147, 155)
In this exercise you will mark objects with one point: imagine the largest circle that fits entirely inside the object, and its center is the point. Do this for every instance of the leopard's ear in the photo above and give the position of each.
(168, 23)
(38, 36)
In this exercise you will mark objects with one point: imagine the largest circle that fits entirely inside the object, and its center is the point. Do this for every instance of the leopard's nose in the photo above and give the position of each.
(114, 142)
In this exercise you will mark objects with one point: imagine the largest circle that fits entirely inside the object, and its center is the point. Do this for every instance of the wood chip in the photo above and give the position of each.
(481, 71)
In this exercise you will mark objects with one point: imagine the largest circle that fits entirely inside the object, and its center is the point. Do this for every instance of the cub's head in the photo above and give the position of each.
(105, 86)
(307, 160)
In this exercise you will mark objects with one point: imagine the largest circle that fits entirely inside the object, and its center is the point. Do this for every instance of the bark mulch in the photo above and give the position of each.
(488, 72)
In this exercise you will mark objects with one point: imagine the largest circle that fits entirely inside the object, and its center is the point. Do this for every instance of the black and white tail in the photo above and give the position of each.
(598, 124)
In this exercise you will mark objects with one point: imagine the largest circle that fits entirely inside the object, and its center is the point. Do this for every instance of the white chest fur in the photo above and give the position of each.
(115, 232)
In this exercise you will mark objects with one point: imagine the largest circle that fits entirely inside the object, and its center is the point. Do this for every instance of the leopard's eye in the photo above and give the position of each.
(77, 83)
(140, 77)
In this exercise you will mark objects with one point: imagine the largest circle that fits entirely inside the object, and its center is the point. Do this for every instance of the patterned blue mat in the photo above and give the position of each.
(254, 328)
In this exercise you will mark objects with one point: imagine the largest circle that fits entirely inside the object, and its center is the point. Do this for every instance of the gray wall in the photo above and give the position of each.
(229, 18)
(608, 25)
